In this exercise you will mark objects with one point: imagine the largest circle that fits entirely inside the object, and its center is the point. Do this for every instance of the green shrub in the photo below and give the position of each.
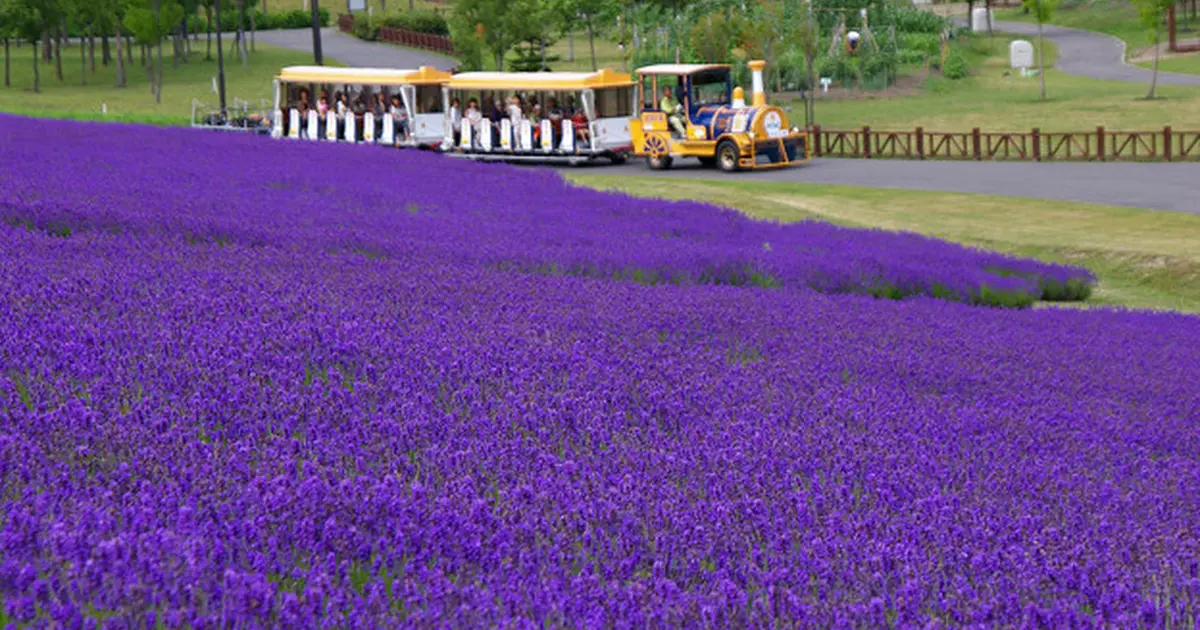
(926, 43)
(955, 66)
(420, 21)
(365, 29)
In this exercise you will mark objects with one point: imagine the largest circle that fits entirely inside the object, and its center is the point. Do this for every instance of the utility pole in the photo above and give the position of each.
(316, 22)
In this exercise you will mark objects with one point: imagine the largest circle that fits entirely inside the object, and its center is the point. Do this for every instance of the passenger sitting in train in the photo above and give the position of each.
(515, 116)
(399, 118)
(474, 119)
(323, 105)
(580, 122)
(674, 112)
(378, 109)
(341, 103)
(495, 115)
(456, 120)
(555, 115)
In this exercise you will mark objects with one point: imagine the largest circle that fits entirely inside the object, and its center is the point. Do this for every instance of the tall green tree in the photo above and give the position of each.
(495, 26)
(28, 22)
(594, 13)
(1041, 10)
(9, 17)
(1152, 13)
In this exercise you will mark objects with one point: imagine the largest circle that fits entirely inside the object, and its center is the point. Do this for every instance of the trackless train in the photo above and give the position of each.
(663, 113)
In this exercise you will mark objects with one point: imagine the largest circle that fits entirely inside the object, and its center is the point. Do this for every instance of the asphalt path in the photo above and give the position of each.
(356, 52)
(1091, 54)
(1159, 186)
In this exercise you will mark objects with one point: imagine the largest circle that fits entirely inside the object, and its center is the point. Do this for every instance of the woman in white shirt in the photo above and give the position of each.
(474, 118)
(456, 120)
(515, 116)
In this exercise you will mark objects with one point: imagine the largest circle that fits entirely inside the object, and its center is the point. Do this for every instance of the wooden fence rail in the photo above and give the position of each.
(1099, 145)
(403, 36)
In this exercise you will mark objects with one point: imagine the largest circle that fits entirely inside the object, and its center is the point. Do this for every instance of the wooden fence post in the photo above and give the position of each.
(1167, 142)
(1037, 145)
(975, 143)
(1100, 142)
(920, 143)
(816, 140)
(866, 142)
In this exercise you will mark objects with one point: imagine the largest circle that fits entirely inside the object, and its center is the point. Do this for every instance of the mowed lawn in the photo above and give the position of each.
(996, 98)
(134, 103)
(1143, 258)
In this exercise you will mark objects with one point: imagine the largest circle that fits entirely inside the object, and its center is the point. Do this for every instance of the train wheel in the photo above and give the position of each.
(658, 163)
(727, 156)
(617, 158)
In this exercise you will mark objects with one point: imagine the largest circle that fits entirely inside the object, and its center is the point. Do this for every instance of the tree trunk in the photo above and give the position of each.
(7, 64)
(592, 42)
(1154, 74)
(253, 29)
(129, 47)
(47, 48)
(92, 49)
(410, 5)
(241, 31)
(105, 51)
(571, 46)
(158, 79)
(208, 33)
(988, 5)
(62, 29)
(83, 62)
(120, 62)
(542, 47)
(221, 63)
(1041, 47)
(811, 110)
(316, 28)
(36, 77)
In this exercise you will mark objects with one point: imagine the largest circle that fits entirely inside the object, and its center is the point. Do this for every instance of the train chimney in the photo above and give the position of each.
(739, 98)
(756, 69)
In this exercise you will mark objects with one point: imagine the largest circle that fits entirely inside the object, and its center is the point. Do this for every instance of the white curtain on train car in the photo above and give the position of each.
(389, 130)
(294, 124)
(369, 127)
(568, 136)
(331, 126)
(314, 125)
(506, 137)
(547, 132)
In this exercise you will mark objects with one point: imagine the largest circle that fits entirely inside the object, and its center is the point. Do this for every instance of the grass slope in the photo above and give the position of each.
(1143, 258)
(992, 101)
(134, 103)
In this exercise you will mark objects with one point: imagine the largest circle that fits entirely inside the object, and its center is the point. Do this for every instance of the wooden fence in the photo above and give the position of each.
(1099, 145)
(403, 37)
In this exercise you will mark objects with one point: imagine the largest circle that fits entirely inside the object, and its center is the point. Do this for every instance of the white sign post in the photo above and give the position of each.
(1020, 55)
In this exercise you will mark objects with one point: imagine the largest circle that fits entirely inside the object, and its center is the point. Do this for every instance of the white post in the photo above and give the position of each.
(465, 136)
(389, 130)
(547, 136)
(506, 134)
(314, 127)
(350, 135)
(568, 139)
(526, 135)
(276, 124)
(294, 124)
(485, 135)
(331, 126)
(369, 128)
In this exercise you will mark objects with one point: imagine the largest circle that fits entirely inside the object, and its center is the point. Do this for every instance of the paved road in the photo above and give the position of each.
(1139, 185)
(356, 52)
(1092, 54)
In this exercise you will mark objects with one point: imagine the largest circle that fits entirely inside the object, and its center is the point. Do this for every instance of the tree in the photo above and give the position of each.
(10, 15)
(495, 26)
(28, 22)
(593, 12)
(316, 28)
(150, 24)
(221, 58)
(807, 35)
(1152, 13)
(1041, 10)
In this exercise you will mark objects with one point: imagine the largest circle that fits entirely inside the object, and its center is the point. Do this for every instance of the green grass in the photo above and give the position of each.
(1187, 63)
(992, 101)
(1143, 258)
(134, 103)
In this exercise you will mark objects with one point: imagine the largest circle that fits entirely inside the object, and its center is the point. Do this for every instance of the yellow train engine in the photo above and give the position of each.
(693, 110)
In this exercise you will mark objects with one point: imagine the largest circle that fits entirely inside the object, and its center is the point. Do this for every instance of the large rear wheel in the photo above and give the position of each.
(727, 156)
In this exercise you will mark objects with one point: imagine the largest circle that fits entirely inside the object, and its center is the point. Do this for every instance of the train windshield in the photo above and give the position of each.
(710, 87)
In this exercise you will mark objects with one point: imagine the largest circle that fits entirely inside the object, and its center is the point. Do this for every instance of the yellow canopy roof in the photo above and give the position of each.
(681, 68)
(363, 76)
(539, 80)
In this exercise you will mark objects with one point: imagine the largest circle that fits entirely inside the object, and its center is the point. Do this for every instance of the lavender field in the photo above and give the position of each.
(265, 384)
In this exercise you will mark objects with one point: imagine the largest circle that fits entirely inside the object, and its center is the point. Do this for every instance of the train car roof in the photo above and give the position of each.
(363, 76)
(681, 68)
(540, 80)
